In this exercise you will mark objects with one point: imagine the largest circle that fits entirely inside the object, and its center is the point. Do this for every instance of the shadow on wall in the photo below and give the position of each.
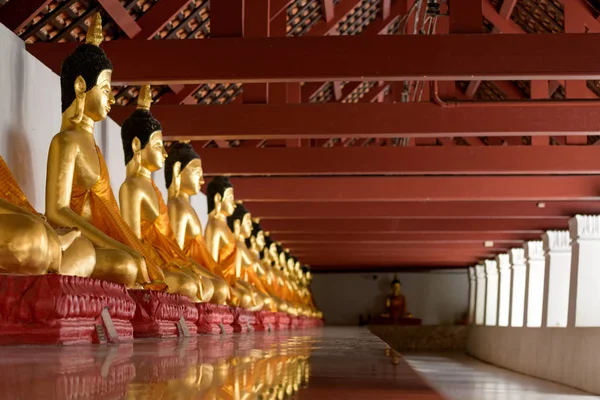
(18, 154)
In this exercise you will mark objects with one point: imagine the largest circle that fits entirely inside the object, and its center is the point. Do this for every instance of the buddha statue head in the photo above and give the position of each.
(396, 286)
(85, 79)
(219, 196)
(257, 237)
(183, 170)
(141, 135)
(240, 221)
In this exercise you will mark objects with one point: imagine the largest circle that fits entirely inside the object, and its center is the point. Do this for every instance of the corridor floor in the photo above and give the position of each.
(459, 377)
(328, 363)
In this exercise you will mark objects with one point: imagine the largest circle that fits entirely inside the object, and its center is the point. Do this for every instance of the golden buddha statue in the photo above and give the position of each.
(274, 276)
(143, 207)
(395, 304)
(240, 223)
(29, 245)
(184, 178)
(263, 269)
(78, 192)
(221, 241)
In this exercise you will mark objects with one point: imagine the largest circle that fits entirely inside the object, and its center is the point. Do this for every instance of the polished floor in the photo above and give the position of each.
(459, 377)
(324, 363)
(328, 363)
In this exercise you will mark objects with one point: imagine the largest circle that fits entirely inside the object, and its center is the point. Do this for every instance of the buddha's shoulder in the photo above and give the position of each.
(135, 184)
(72, 138)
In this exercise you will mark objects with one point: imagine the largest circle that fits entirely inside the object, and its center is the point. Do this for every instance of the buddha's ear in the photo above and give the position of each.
(79, 86)
(217, 198)
(136, 144)
(177, 169)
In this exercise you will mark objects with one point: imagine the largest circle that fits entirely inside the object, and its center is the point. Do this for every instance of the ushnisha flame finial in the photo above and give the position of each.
(144, 98)
(94, 34)
(256, 220)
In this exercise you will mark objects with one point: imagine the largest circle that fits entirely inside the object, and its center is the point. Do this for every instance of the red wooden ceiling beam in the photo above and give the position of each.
(480, 188)
(500, 22)
(16, 14)
(353, 236)
(425, 160)
(422, 210)
(416, 266)
(121, 16)
(352, 58)
(366, 225)
(395, 246)
(362, 120)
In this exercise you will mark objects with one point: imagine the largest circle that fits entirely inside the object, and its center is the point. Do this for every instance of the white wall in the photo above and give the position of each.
(437, 297)
(30, 116)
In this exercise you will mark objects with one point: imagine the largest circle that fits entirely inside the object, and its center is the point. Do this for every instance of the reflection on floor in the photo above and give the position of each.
(328, 363)
(459, 377)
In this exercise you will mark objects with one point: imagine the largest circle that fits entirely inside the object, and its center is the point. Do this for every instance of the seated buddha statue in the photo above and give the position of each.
(273, 275)
(78, 191)
(29, 245)
(240, 223)
(184, 178)
(289, 291)
(143, 207)
(396, 303)
(221, 241)
(263, 268)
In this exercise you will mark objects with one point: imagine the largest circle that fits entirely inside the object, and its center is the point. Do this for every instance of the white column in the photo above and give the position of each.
(518, 275)
(480, 294)
(584, 299)
(491, 294)
(472, 291)
(557, 249)
(503, 261)
(534, 300)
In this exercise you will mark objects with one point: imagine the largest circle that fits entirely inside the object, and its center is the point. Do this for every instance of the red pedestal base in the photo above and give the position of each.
(265, 321)
(157, 313)
(58, 309)
(282, 321)
(214, 319)
(243, 320)
(294, 322)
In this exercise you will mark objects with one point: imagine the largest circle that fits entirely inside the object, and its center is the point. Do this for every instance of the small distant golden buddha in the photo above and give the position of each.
(396, 302)
(29, 245)
(142, 204)
(78, 191)
(184, 178)
(221, 241)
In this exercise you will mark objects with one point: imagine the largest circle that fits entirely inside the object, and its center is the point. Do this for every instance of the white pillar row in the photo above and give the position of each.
(491, 294)
(557, 250)
(503, 261)
(584, 299)
(534, 297)
(472, 291)
(518, 276)
(480, 291)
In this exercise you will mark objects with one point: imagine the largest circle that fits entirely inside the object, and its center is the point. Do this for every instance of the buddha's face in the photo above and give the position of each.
(153, 154)
(290, 264)
(228, 202)
(100, 98)
(246, 228)
(273, 251)
(192, 177)
(260, 240)
(396, 289)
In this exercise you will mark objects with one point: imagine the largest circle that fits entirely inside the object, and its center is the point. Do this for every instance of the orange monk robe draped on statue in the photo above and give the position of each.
(107, 218)
(11, 191)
